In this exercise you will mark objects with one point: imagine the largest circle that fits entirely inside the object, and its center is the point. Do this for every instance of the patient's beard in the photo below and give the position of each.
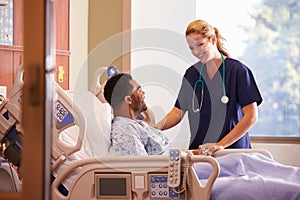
(138, 109)
(138, 106)
(144, 108)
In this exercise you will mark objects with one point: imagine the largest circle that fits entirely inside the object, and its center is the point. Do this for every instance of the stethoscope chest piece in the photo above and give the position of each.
(224, 99)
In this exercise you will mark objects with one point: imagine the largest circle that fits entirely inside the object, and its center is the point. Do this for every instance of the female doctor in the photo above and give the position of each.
(219, 93)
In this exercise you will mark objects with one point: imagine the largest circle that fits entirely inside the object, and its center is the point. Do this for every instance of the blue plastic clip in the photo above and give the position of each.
(112, 71)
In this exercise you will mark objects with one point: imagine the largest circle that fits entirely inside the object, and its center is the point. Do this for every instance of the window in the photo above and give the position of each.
(265, 35)
(7, 24)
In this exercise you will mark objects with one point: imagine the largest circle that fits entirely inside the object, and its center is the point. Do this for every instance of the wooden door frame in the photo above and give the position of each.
(33, 104)
(35, 39)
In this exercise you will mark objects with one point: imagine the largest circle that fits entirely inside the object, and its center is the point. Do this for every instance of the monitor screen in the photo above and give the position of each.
(113, 186)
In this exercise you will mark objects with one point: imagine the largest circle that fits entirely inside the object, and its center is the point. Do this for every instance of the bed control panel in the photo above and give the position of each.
(174, 168)
(159, 188)
(63, 116)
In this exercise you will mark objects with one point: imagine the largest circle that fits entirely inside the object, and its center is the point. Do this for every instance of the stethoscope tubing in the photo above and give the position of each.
(224, 98)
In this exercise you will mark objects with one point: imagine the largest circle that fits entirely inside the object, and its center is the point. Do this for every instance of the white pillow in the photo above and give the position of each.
(98, 118)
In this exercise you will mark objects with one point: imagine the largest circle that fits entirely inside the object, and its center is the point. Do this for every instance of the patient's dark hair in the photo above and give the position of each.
(116, 88)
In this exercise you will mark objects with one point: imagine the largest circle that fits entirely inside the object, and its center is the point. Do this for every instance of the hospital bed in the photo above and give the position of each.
(131, 177)
(85, 168)
(105, 176)
(199, 177)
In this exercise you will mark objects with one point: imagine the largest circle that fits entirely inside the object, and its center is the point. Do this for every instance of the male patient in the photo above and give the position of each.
(128, 135)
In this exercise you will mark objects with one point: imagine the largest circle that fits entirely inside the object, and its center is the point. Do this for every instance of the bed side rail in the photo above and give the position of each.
(135, 165)
(228, 151)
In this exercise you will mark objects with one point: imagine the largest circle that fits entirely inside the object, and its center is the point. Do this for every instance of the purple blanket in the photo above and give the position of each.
(252, 176)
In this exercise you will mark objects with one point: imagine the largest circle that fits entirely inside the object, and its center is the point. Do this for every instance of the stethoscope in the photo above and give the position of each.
(224, 98)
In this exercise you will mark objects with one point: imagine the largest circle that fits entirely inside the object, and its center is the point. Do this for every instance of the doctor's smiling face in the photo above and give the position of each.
(201, 47)
(202, 40)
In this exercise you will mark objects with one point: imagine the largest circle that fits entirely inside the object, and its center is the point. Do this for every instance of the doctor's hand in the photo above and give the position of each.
(207, 149)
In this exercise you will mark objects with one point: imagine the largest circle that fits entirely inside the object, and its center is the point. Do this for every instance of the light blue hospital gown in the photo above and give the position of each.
(135, 137)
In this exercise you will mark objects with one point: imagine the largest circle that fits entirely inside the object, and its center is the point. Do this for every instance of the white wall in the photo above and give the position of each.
(287, 154)
(78, 44)
(160, 54)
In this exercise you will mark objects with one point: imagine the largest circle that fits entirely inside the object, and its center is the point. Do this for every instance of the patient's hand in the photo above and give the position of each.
(207, 149)
(148, 117)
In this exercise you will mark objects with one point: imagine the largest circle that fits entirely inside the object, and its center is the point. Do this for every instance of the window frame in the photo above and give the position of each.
(270, 139)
